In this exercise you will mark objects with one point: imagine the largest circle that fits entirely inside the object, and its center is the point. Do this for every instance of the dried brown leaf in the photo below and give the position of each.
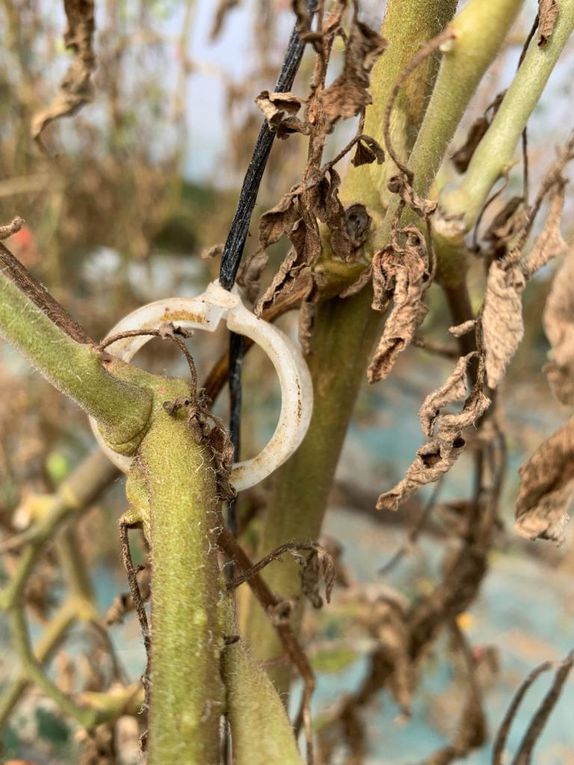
(438, 455)
(549, 244)
(401, 185)
(547, 15)
(402, 276)
(461, 158)
(502, 325)
(368, 150)
(558, 320)
(349, 93)
(459, 330)
(317, 567)
(279, 109)
(76, 89)
(547, 488)
(454, 389)
(279, 221)
(508, 224)
(11, 228)
(216, 251)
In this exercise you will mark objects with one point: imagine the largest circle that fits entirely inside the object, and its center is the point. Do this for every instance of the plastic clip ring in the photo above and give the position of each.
(205, 312)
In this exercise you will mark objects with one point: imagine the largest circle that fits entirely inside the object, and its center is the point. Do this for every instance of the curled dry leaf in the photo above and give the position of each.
(461, 158)
(11, 228)
(547, 487)
(459, 330)
(547, 17)
(502, 325)
(508, 225)
(549, 244)
(403, 277)
(454, 389)
(316, 567)
(349, 93)
(437, 456)
(76, 89)
(401, 185)
(368, 150)
(279, 109)
(558, 320)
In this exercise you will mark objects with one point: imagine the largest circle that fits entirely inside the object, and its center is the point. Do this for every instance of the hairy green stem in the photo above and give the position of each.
(76, 369)
(172, 490)
(260, 729)
(460, 207)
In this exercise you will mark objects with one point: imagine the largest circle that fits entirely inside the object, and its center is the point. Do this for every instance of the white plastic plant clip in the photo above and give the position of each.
(205, 312)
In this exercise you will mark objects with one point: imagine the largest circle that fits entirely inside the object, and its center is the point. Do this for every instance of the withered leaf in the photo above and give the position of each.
(461, 158)
(368, 150)
(216, 251)
(403, 276)
(279, 109)
(502, 325)
(365, 277)
(316, 566)
(76, 89)
(399, 184)
(558, 320)
(547, 487)
(459, 330)
(279, 220)
(439, 454)
(549, 244)
(508, 223)
(547, 17)
(349, 93)
(11, 228)
(454, 389)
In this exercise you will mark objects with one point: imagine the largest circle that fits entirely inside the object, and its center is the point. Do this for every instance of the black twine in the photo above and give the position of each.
(235, 243)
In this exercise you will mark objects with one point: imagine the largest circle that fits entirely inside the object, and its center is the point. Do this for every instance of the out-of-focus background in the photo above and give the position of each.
(121, 208)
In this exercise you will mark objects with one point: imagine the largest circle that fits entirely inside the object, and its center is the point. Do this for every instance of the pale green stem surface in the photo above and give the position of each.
(260, 729)
(121, 407)
(494, 155)
(172, 487)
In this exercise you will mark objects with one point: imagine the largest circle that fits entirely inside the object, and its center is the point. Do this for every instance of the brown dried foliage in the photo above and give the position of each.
(558, 320)
(401, 274)
(76, 89)
(547, 487)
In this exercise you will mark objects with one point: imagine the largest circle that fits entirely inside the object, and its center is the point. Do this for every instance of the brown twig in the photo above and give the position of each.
(139, 604)
(31, 287)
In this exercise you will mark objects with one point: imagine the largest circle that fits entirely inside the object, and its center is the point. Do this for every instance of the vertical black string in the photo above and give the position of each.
(235, 243)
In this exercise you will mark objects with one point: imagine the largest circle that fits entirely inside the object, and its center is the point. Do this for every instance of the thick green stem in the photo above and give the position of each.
(494, 155)
(121, 407)
(408, 24)
(172, 487)
(260, 729)
(343, 338)
(479, 29)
